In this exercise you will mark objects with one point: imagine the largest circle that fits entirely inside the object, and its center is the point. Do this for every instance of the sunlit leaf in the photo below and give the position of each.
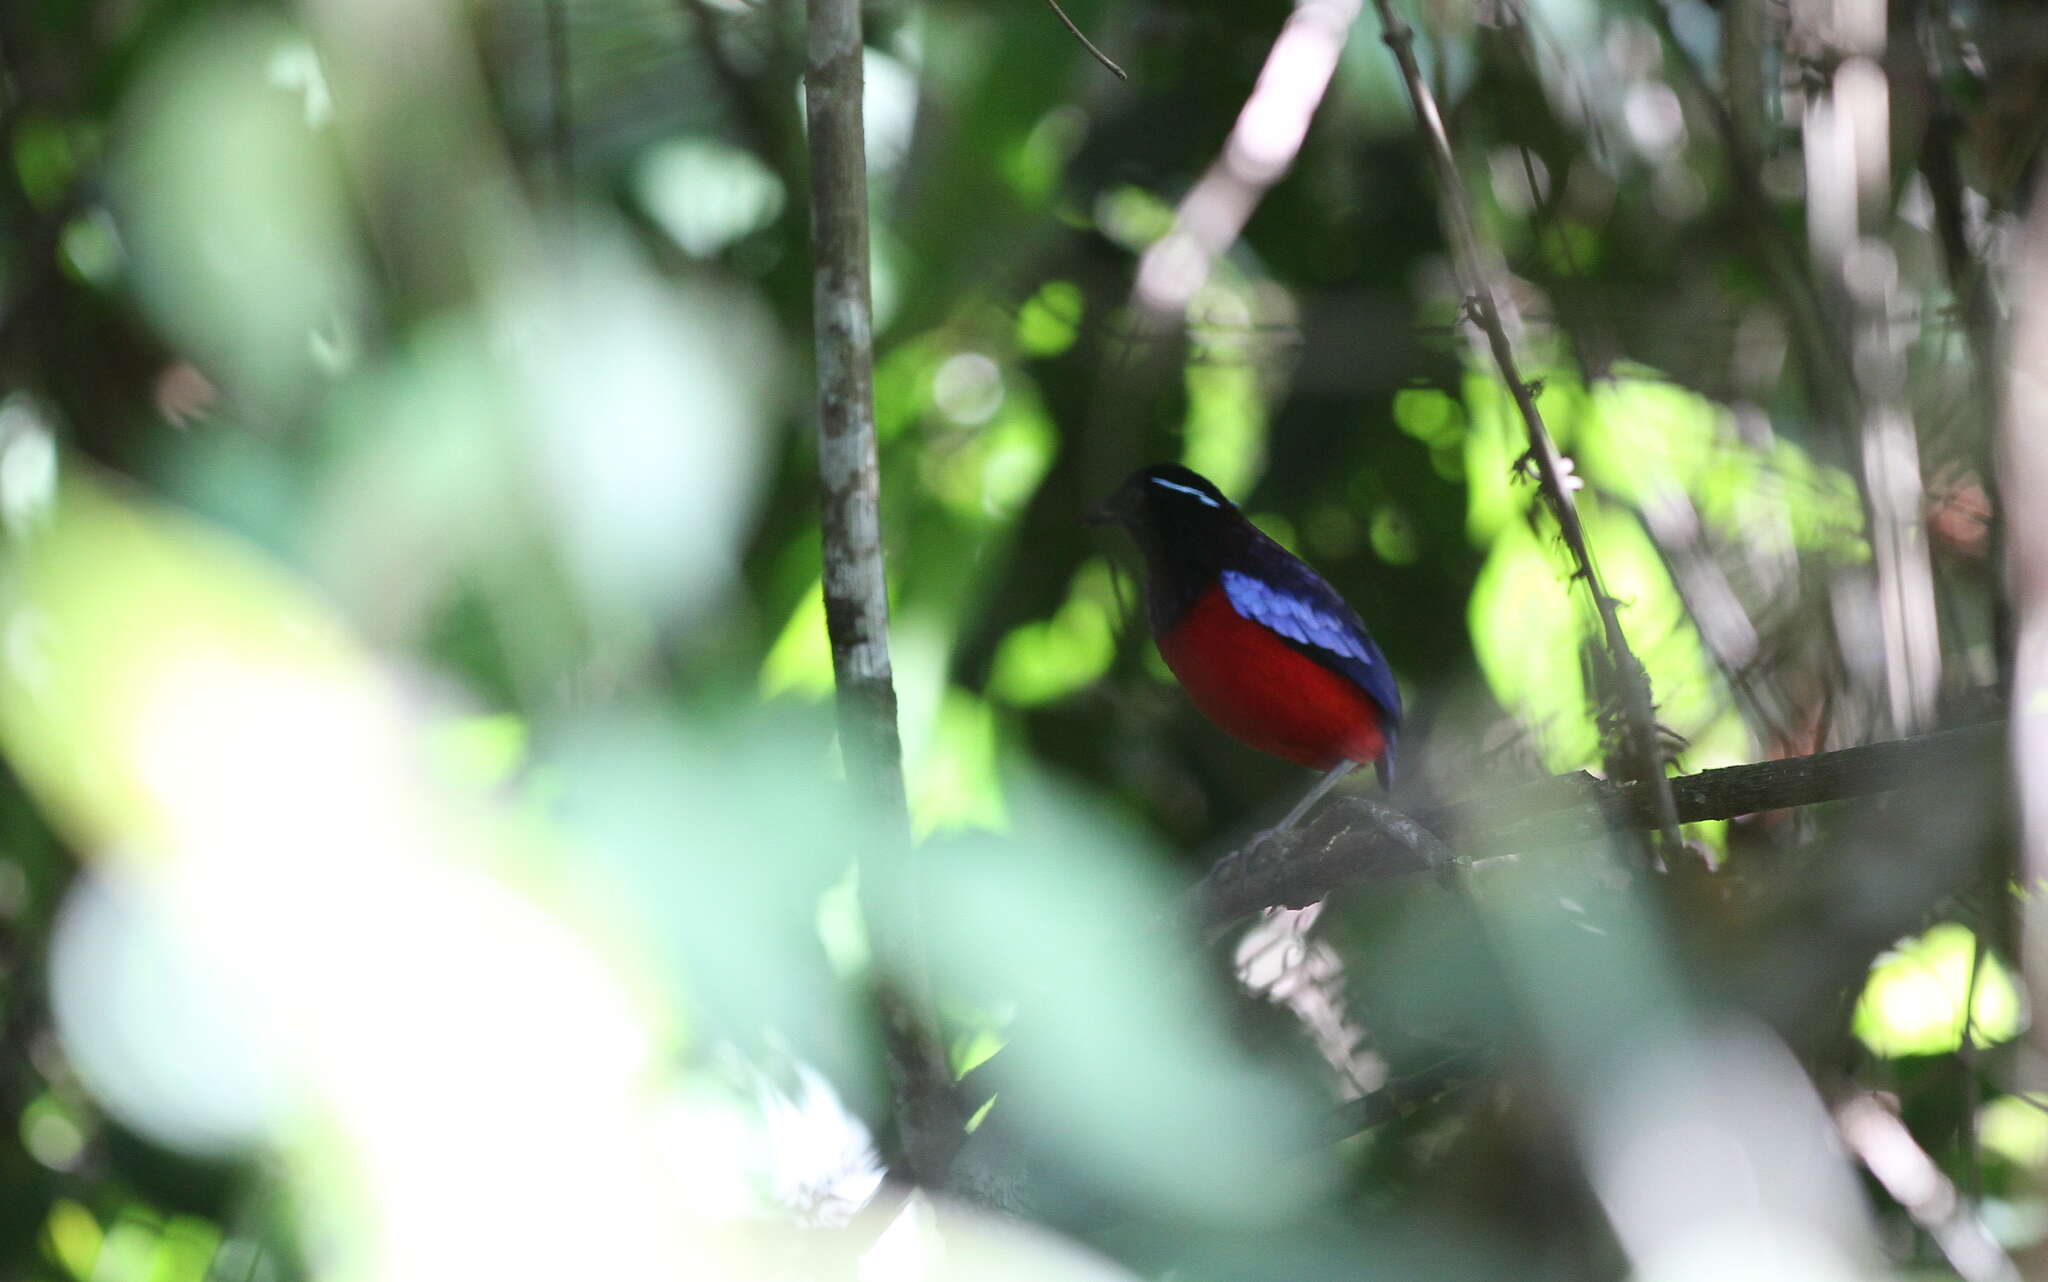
(800, 661)
(1913, 1001)
(1050, 319)
(1132, 217)
(2016, 1129)
(1040, 662)
(1224, 436)
(74, 1238)
(951, 772)
(482, 752)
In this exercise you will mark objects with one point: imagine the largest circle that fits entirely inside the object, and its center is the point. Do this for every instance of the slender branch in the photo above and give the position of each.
(1262, 145)
(1086, 43)
(1640, 755)
(856, 590)
(1884, 1145)
(1358, 840)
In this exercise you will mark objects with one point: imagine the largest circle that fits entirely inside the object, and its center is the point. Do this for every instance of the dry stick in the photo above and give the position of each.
(1086, 43)
(1641, 756)
(856, 591)
(1358, 840)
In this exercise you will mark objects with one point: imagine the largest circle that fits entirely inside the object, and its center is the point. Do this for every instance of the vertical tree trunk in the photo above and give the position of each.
(856, 588)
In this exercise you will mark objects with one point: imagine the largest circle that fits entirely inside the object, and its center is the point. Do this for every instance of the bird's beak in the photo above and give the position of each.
(1118, 509)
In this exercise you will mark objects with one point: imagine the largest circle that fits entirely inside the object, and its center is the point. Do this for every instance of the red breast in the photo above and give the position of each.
(1266, 693)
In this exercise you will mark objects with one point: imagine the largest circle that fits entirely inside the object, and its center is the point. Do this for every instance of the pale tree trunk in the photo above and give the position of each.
(856, 589)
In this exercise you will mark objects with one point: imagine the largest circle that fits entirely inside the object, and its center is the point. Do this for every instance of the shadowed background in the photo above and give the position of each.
(422, 813)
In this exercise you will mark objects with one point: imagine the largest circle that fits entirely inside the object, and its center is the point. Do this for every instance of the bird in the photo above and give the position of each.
(1263, 647)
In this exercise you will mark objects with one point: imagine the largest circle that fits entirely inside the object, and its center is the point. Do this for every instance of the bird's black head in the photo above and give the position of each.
(1165, 499)
(1184, 527)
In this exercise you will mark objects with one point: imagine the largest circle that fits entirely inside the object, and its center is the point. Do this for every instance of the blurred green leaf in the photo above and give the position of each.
(234, 210)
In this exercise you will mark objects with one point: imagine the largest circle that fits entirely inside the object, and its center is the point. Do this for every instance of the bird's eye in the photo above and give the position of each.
(1186, 489)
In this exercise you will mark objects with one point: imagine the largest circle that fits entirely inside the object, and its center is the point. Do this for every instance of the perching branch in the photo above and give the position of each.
(1640, 754)
(856, 590)
(1358, 840)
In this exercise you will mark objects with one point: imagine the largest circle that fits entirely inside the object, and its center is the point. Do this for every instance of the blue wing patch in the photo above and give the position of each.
(1315, 618)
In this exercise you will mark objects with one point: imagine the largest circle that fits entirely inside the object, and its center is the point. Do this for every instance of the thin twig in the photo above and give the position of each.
(1086, 43)
(1641, 753)
(856, 589)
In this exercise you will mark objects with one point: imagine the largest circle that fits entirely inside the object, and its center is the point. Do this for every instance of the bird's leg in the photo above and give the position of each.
(1315, 794)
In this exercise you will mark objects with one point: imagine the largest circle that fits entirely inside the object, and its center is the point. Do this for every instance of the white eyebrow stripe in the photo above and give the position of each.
(1186, 489)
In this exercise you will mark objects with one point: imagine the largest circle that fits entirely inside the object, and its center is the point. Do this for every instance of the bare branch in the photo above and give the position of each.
(856, 590)
(1641, 755)
(1884, 1145)
(1086, 43)
(1358, 840)
(1354, 840)
(1260, 150)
